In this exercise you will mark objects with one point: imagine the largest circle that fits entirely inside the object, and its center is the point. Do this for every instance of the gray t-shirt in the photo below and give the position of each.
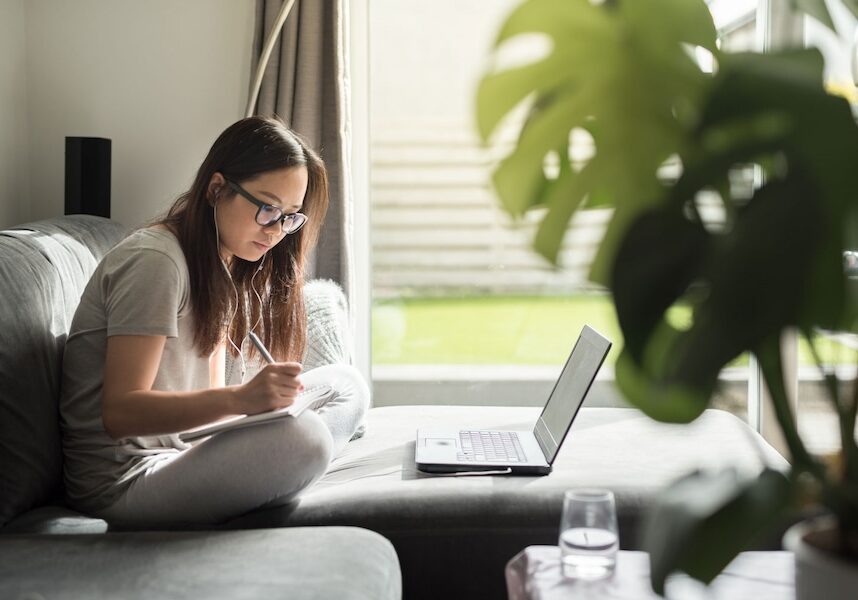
(141, 287)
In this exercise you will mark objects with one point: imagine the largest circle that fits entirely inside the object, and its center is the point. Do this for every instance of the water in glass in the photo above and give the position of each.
(588, 553)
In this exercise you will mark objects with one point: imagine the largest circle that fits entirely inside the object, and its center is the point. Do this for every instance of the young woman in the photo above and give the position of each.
(145, 355)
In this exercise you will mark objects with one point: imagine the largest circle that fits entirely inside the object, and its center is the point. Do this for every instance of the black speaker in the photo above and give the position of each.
(88, 176)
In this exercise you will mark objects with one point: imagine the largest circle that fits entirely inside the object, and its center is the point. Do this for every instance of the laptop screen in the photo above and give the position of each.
(570, 390)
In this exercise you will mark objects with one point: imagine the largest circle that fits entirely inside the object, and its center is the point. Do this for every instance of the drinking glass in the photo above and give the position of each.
(588, 534)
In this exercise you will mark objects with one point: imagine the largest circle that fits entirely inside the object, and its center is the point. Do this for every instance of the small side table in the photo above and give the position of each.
(535, 574)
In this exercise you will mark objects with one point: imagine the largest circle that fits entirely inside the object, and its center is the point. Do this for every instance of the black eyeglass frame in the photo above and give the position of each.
(291, 227)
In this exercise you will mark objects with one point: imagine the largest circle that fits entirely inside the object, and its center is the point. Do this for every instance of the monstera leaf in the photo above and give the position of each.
(618, 70)
(777, 262)
(702, 521)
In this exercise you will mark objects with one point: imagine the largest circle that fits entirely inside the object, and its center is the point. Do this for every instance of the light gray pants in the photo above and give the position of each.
(237, 471)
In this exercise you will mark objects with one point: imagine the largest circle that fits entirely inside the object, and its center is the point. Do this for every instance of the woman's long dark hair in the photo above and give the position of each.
(247, 149)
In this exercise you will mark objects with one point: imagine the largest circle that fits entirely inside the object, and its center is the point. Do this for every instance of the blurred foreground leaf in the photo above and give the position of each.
(701, 522)
(617, 70)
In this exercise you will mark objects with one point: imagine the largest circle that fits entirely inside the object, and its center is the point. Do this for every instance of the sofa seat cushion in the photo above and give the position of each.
(375, 484)
(375, 481)
(55, 520)
(300, 563)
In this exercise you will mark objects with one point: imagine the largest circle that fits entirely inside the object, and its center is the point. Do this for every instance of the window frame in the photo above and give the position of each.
(356, 33)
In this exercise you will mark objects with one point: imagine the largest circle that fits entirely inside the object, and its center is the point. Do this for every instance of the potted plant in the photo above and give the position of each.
(623, 72)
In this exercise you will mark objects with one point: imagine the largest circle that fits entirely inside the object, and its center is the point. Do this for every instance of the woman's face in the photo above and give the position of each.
(240, 234)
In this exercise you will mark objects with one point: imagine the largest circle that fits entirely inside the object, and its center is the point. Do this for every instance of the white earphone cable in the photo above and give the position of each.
(235, 291)
(256, 293)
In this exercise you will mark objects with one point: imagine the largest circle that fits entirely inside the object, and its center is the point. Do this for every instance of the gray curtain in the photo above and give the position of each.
(306, 84)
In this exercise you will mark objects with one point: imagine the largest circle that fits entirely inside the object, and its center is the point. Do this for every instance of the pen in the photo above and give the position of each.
(264, 352)
(261, 347)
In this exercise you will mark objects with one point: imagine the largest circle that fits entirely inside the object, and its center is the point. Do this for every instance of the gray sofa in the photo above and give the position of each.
(43, 268)
(452, 535)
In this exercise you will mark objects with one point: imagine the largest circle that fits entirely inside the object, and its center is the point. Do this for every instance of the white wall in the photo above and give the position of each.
(161, 78)
(14, 147)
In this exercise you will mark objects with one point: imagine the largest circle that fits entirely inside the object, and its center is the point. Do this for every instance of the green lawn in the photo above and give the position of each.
(518, 330)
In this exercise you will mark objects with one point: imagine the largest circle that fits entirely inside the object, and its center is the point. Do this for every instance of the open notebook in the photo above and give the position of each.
(303, 401)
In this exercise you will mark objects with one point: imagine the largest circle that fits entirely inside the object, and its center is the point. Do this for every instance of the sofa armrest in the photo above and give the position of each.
(296, 563)
(329, 338)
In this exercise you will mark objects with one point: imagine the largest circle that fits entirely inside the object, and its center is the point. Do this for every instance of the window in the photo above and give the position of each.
(463, 310)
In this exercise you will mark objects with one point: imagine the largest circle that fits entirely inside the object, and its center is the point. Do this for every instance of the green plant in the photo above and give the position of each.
(622, 71)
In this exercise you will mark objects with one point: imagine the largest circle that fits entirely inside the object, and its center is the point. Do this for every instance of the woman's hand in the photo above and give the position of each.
(275, 386)
(130, 407)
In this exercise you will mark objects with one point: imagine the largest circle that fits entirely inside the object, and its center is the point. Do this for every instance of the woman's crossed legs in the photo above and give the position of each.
(237, 471)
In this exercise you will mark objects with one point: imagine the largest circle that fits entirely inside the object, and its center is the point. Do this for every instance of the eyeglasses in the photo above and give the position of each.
(268, 214)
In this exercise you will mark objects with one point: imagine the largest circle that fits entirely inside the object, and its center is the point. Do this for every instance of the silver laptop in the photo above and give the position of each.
(519, 452)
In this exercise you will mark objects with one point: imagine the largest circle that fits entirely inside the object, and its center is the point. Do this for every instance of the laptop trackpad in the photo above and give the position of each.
(439, 442)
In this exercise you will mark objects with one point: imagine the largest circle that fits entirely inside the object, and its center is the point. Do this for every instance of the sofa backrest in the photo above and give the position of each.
(44, 267)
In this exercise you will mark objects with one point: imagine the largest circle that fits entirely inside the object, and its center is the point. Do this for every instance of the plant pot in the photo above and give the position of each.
(819, 571)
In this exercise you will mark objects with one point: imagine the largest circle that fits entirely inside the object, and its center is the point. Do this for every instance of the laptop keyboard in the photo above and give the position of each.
(481, 446)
